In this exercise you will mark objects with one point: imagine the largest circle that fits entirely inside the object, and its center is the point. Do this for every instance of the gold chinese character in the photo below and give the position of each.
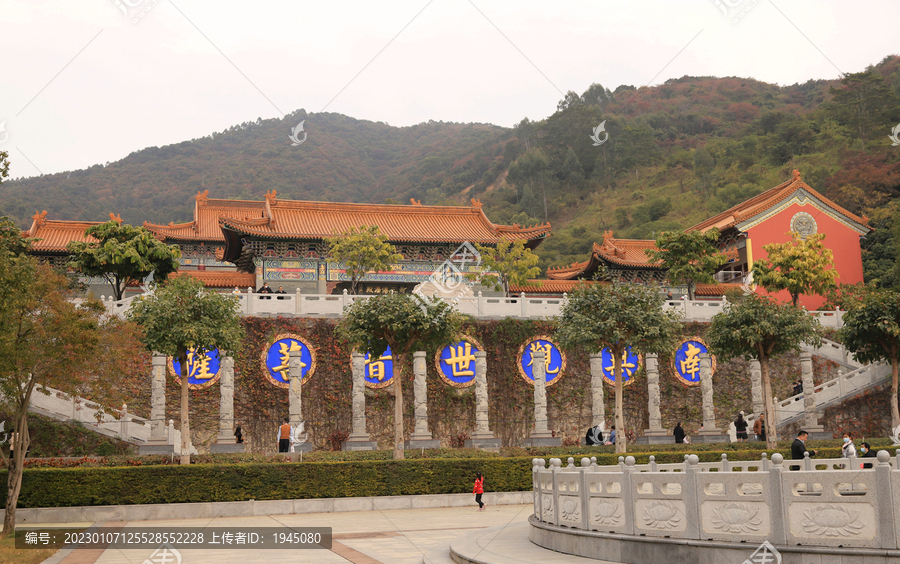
(198, 366)
(547, 348)
(460, 359)
(285, 358)
(691, 363)
(627, 367)
(375, 368)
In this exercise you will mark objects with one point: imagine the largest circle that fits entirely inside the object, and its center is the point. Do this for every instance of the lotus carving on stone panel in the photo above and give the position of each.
(547, 504)
(569, 510)
(832, 521)
(605, 512)
(661, 515)
(735, 518)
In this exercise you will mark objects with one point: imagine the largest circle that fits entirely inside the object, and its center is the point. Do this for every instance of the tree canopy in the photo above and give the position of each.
(616, 316)
(871, 332)
(405, 323)
(690, 257)
(362, 251)
(180, 316)
(800, 266)
(507, 263)
(123, 254)
(48, 340)
(759, 328)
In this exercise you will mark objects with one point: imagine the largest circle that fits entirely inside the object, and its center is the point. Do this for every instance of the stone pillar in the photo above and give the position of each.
(421, 436)
(541, 435)
(159, 439)
(321, 281)
(598, 408)
(811, 416)
(359, 439)
(710, 433)
(158, 399)
(655, 434)
(482, 437)
(295, 397)
(756, 391)
(226, 442)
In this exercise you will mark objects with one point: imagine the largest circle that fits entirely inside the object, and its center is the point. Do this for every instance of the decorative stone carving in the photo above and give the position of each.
(756, 391)
(158, 399)
(569, 509)
(420, 395)
(706, 390)
(295, 398)
(653, 401)
(359, 437)
(809, 396)
(605, 511)
(540, 396)
(832, 521)
(661, 515)
(736, 518)
(482, 424)
(547, 505)
(804, 224)
(226, 401)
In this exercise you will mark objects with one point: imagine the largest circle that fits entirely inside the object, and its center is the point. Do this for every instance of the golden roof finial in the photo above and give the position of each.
(796, 175)
(202, 196)
(272, 197)
(40, 217)
(116, 218)
(415, 202)
(476, 203)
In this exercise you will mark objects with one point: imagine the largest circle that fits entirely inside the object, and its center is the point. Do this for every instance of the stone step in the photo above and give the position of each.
(438, 555)
(508, 544)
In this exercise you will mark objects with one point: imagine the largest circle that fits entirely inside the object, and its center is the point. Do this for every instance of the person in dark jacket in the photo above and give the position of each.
(238, 433)
(798, 447)
(679, 434)
(594, 436)
(740, 426)
(759, 427)
(867, 452)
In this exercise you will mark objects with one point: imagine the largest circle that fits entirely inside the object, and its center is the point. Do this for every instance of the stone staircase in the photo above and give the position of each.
(118, 424)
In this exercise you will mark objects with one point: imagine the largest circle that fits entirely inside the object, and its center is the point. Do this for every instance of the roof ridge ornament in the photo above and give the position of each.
(40, 218)
(114, 217)
(476, 204)
(796, 174)
(272, 197)
(415, 202)
(202, 196)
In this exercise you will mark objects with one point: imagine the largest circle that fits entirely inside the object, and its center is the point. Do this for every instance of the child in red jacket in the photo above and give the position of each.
(478, 490)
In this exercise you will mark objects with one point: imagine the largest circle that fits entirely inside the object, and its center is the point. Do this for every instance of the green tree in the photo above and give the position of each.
(863, 101)
(123, 254)
(404, 323)
(871, 332)
(800, 266)
(758, 327)
(690, 257)
(4, 166)
(180, 316)
(616, 316)
(46, 340)
(362, 251)
(507, 263)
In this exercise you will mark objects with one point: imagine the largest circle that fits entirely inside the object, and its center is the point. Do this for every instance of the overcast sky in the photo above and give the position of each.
(89, 81)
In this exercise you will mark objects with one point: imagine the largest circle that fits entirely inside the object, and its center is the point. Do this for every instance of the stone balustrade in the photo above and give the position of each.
(478, 306)
(821, 503)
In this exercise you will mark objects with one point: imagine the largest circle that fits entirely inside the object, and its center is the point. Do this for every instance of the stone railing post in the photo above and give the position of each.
(628, 471)
(585, 495)
(345, 300)
(480, 304)
(884, 499)
(690, 494)
(298, 305)
(359, 438)
(523, 308)
(250, 301)
(598, 408)
(811, 422)
(777, 501)
(555, 464)
(421, 436)
(655, 434)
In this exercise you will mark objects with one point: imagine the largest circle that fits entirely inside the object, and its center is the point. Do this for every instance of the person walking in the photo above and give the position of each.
(867, 452)
(478, 490)
(759, 427)
(678, 431)
(848, 449)
(798, 448)
(740, 426)
(284, 436)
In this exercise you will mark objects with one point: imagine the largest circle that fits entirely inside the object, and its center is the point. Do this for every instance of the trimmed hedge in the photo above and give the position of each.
(65, 487)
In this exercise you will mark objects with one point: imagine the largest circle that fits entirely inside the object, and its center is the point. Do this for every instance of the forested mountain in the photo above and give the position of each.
(671, 155)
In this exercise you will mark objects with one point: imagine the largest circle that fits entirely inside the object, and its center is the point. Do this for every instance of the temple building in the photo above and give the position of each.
(282, 242)
(770, 217)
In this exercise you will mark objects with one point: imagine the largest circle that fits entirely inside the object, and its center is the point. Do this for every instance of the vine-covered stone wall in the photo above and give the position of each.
(259, 405)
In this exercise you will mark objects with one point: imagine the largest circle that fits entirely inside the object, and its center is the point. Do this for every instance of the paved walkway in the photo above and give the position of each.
(399, 536)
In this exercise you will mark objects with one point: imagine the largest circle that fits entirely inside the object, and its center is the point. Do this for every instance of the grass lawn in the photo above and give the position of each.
(9, 554)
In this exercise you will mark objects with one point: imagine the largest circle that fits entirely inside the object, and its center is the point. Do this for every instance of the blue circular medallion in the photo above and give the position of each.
(276, 359)
(554, 359)
(631, 362)
(203, 370)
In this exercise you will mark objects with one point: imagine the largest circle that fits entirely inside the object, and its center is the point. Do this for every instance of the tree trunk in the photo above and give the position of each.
(895, 412)
(16, 465)
(185, 423)
(692, 291)
(620, 415)
(398, 407)
(771, 431)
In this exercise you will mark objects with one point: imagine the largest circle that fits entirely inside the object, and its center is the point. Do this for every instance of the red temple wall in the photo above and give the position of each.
(842, 240)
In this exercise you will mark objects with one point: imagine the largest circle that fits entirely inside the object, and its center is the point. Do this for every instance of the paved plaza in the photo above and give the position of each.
(401, 536)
